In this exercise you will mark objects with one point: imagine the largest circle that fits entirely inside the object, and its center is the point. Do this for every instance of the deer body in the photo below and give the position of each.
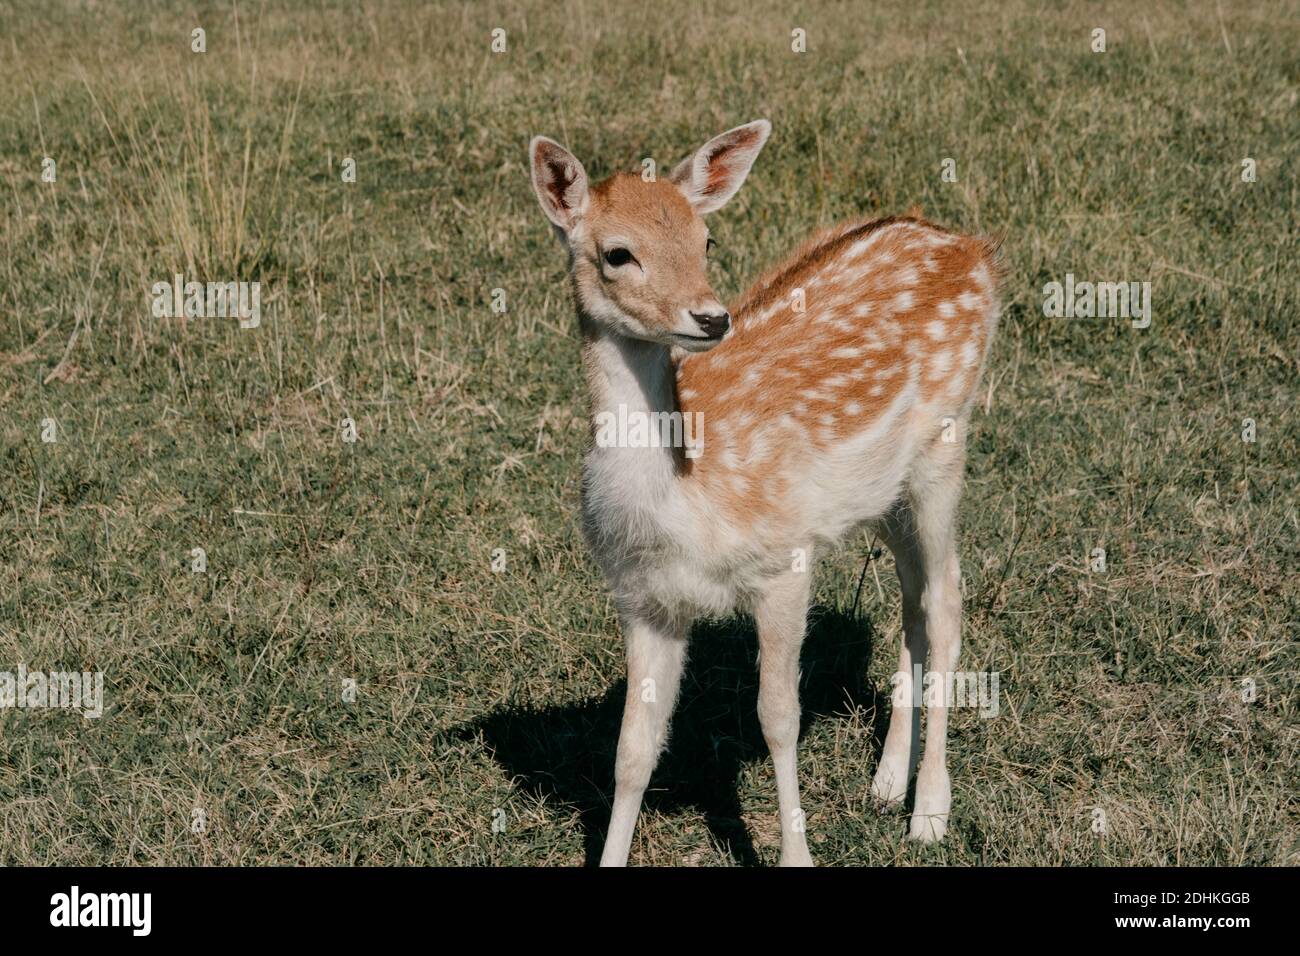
(833, 396)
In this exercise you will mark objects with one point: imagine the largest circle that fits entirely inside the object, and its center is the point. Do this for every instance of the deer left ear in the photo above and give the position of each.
(715, 171)
(559, 181)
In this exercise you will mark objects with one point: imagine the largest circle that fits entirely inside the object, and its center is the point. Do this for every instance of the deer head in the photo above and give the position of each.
(638, 249)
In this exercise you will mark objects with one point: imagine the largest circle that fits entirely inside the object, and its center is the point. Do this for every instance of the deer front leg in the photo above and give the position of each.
(656, 653)
(780, 614)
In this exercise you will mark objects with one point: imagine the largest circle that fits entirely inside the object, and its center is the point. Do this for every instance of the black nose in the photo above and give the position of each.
(715, 325)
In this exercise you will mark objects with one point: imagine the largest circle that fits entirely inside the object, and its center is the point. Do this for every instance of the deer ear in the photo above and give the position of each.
(559, 181)
(715, 171)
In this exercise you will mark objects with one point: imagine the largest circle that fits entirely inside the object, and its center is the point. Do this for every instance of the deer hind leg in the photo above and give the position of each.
(902, 746)
(656, 654)
(933, 494)
(780, 614)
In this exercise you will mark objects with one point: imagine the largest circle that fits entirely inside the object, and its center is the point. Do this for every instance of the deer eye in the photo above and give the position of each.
(617, 256)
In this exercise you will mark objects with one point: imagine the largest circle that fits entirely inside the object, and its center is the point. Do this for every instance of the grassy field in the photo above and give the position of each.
(487, 697)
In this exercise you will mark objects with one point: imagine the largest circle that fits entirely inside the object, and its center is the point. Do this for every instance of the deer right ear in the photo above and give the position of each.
(713, 173)
(559, 181)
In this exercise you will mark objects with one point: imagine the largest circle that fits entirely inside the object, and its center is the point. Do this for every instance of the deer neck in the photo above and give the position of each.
(629, 379)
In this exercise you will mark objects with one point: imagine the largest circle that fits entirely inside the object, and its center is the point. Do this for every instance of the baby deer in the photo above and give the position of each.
(833, 396)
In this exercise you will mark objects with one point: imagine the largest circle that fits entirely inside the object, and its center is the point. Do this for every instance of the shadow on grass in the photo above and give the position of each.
(566, 753)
